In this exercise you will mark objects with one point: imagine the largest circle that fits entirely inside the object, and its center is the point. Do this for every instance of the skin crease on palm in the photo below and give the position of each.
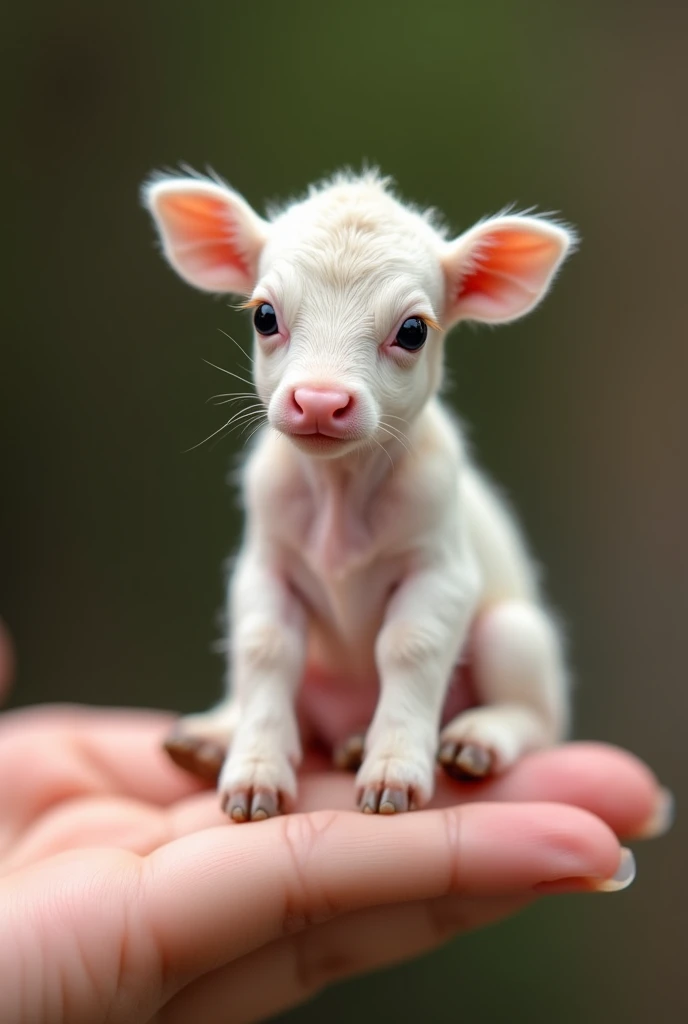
(124, 896)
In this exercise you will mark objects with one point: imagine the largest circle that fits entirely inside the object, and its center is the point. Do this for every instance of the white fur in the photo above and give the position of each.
(370, 564)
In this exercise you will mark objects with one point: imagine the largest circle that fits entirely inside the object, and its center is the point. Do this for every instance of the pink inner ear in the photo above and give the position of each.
(507, 259)
(199, 232)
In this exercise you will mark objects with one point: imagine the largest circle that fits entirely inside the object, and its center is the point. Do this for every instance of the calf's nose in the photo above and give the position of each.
(320, 409)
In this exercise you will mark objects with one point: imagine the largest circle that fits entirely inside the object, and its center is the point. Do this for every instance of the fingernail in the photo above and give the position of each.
(625, 873)
(662, 818)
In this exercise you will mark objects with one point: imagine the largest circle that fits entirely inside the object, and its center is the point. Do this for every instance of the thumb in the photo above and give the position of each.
(216, 895)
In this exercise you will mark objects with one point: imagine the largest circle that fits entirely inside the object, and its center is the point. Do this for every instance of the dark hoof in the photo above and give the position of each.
(348, 756)
(466, 762)
(251, 804)
(199, 757)
(385, 800)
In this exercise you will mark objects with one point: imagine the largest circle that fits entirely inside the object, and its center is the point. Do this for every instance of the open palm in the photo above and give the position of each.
(125, 895)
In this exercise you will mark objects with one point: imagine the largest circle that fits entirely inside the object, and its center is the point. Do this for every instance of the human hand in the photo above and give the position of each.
(125, 895)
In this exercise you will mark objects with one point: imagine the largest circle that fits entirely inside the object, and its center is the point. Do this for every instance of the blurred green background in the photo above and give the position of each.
(112, 539)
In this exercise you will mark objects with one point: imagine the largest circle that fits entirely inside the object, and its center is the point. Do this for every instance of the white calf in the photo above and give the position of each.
(375, 553)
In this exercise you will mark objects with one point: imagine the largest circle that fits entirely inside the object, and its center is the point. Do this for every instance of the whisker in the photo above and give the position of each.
(248, 414)
(253, 418)
(234, 418)
(231, 396)
(243, 416)
(219, 439)
(391, 460)
(393, 437)
(400, 418)
(242, 350)
(398, 429)
(263, 423)
(388, 429)
(400, 433)
(228, 401)
(222, 370)
(399, 441)
(208, 438)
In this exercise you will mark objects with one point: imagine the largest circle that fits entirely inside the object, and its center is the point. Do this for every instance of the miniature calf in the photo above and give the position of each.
(379, 570)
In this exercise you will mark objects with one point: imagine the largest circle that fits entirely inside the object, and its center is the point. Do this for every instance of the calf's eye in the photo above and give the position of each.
(412, 334)
(265, 319)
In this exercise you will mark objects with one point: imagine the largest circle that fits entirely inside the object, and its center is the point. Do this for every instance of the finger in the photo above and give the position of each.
(113, 823)
(62, 753)
(220, 894)
(113, 952)
(609, 782)
(91, 751)
(88, 752)
(291, 970)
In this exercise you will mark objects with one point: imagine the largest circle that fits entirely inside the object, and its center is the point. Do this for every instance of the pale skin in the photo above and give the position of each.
(123, 899)
(375, 554)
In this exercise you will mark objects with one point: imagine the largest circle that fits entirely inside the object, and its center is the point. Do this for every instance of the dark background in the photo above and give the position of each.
(112, 539)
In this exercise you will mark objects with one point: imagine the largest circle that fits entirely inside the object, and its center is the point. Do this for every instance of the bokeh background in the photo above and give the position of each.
(112, 539)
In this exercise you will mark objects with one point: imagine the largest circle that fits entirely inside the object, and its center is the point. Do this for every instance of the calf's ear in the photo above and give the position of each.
(209, 234)
(502, 268)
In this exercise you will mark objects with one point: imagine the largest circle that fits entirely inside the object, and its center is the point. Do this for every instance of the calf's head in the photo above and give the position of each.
(351, 294)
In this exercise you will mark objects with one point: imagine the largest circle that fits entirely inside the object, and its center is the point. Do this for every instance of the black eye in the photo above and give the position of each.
(412, 334)
(265, 319)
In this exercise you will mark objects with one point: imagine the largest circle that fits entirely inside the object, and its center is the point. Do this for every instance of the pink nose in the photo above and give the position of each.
(316, 410)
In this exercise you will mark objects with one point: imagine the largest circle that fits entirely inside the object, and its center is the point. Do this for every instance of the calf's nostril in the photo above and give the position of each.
(344, 407)
(295, 406)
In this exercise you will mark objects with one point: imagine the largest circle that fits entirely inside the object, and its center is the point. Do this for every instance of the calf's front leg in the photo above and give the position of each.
(267, 653)
(424, 630)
